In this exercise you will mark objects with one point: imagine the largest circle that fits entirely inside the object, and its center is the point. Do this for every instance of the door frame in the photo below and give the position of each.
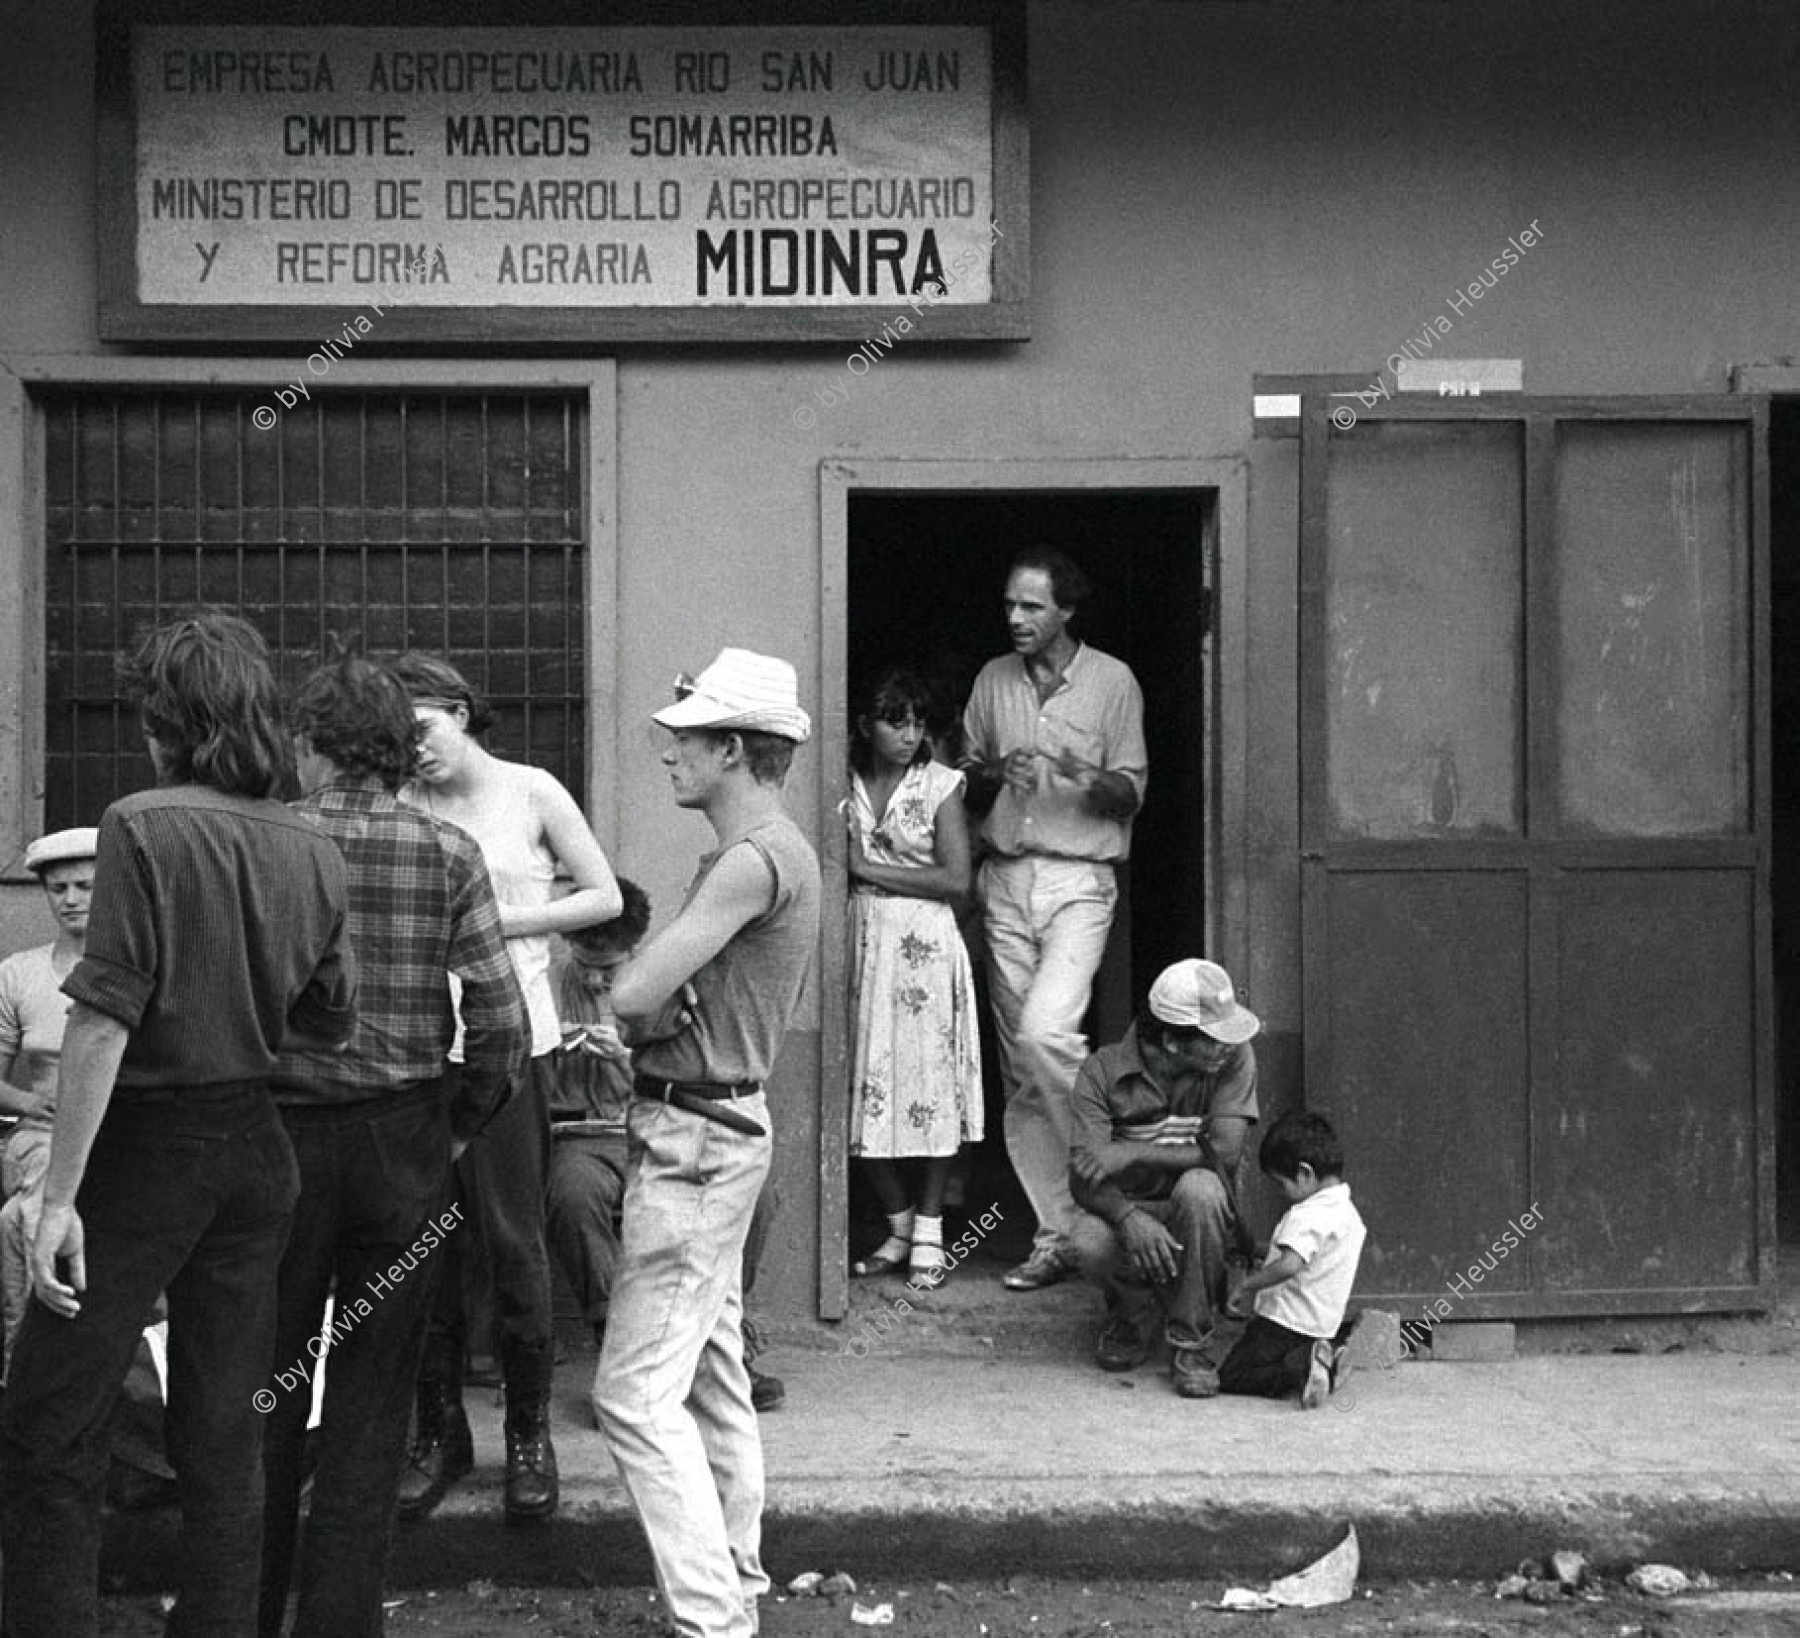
(1224, 840)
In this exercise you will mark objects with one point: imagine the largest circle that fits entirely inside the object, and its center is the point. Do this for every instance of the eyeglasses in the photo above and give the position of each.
(684, 685)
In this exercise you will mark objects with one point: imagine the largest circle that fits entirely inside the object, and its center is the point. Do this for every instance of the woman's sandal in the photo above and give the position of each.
(928, 1264)
(890, 1257)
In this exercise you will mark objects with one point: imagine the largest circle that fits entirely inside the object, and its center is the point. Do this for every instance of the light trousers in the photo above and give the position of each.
(672, 1393)
(1046, 922)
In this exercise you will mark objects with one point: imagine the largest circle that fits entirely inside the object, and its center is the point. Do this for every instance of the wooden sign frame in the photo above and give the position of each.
(124, 317)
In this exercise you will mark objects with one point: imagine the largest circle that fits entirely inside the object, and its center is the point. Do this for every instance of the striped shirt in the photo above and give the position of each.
(421, 907)
(1117, 1100)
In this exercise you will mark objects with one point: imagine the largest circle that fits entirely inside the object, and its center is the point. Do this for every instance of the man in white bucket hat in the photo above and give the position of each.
(705, 1004)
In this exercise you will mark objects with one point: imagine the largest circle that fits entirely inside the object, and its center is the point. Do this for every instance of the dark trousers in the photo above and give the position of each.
(1268, 1359)
(190, 1193)
(587, 1186)
(372, 1175)
(501, 1181)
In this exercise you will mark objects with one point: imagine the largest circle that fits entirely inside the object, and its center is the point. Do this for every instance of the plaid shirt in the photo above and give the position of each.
(421, 907)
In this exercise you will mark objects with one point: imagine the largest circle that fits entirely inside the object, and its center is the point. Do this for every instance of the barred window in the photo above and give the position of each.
(373, 523)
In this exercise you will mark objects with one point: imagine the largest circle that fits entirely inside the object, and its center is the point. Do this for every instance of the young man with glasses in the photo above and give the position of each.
(1160, 1119)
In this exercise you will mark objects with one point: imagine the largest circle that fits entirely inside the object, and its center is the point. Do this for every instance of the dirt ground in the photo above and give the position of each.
(1095, 1609)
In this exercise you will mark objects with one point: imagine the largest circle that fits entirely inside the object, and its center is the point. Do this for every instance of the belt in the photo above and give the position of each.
(708, 1099)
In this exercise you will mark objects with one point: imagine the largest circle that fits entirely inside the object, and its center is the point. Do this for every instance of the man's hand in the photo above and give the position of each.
(675, 1015)
(597, 1041)
(1149, 1247)
(1018, 771)
(59, 1237)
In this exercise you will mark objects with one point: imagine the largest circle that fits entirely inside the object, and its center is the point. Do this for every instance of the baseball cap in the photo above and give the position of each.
(740, 690)
(60, 846)
(1198, 994)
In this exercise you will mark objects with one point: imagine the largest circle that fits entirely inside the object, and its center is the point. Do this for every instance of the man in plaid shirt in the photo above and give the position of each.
(375, 1128)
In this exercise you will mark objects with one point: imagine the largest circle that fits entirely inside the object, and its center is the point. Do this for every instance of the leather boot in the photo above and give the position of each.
(442, 1450)
(531, 1481)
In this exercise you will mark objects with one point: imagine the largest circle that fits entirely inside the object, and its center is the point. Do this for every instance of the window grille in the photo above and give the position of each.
(451, 522)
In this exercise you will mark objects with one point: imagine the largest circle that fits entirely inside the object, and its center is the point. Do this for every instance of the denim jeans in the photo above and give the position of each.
(1198, 1212)
(672, 1393)
(371, 1175)
(188, 1191)
(1045, 922)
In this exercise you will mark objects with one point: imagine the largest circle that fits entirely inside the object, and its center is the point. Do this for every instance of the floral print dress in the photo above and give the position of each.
(916, 1043)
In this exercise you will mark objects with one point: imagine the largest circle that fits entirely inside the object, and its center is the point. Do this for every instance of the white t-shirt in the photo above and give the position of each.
(1326, 1233)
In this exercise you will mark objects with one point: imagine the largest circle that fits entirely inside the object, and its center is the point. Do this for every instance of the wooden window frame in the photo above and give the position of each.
(25, 378)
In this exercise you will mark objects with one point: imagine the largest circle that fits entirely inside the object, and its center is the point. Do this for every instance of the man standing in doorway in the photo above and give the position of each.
(705, 1004)
(1054, 734)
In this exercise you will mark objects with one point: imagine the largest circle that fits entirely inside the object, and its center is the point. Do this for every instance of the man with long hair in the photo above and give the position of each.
(374, 1128)
(217, 936)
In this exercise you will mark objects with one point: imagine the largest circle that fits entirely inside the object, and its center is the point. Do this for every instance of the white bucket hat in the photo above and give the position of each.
(740, 690)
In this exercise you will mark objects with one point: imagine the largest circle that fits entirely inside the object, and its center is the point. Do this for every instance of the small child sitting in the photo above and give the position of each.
(1295, 1337)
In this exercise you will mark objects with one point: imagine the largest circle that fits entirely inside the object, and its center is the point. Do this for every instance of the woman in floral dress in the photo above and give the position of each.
(916, 1058)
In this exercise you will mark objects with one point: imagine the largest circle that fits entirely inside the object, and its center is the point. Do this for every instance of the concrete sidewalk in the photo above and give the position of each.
(927, 1466)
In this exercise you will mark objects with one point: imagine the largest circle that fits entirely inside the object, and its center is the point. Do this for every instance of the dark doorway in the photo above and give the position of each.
(1784, 732)
(925, 579)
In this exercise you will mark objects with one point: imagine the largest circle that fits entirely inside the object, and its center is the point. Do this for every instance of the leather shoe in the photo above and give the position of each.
(1194, 1375)
(1043, 1267)
(1123, 1346)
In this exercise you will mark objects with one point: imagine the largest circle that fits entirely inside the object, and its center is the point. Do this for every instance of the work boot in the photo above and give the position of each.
(767, 1393)
(1193, 1373)
(531, 1479)
(1124, 1343)
(442, 1450)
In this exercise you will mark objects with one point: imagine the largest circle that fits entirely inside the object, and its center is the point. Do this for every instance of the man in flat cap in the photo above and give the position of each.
(1160, 1119)
(705, 1004)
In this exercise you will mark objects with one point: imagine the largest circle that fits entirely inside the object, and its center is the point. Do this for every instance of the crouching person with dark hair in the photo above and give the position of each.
(590, 1097)
(1295, 1338)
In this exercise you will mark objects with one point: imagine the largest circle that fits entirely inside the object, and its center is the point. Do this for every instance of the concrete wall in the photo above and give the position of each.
(1217, 189)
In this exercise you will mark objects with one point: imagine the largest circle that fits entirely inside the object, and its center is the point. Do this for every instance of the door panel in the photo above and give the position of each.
(1534, 753)
(1645, 1155)
(1424, 537)
(1427, 1022)
(1652, 636)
